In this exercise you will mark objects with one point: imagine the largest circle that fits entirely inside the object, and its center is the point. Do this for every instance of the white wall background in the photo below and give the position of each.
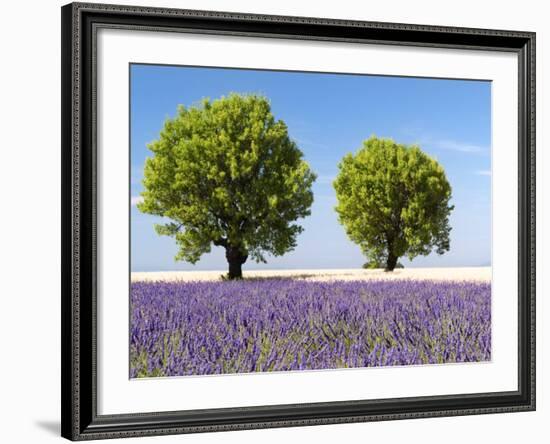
(30, 220)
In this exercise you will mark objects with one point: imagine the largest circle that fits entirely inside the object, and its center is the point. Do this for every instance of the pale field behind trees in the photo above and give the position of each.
(477, 274)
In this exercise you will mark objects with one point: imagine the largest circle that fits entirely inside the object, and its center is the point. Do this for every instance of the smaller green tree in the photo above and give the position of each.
(226, 173)
(393, 201)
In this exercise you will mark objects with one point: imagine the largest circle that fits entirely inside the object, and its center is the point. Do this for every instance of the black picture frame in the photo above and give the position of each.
(80, 420)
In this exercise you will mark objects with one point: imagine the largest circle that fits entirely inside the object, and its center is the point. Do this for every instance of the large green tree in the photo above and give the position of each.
(393, 201)
(226, 173)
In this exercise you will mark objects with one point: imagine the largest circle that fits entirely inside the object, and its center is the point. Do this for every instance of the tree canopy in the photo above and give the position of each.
(393, 201)
(226, 173)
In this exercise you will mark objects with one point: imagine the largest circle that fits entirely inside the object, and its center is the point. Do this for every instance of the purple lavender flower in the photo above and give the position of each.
(200, 328)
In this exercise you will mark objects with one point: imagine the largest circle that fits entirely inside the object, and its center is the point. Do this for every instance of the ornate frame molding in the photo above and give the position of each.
(79, 394)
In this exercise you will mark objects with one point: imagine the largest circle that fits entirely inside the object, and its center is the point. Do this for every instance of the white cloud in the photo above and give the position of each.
(134, 200)
(447, 144)
(483, 172)
(310, 143)
(453, 145)
(325, 179)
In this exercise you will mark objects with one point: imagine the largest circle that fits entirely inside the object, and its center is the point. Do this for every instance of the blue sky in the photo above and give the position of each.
(329, 115)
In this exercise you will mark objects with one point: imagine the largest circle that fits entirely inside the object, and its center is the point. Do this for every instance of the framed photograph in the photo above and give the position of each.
(277, 221)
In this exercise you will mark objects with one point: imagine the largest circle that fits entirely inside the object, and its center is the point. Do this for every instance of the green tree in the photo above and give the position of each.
(226, 173)
(393, 200)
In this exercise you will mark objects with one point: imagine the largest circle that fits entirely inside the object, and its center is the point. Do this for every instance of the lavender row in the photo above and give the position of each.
(201, 328)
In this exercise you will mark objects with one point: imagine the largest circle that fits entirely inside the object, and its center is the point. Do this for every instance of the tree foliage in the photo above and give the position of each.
(393, 201)
(226, 173)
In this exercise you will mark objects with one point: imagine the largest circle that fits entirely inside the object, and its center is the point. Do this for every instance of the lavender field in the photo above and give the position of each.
(261, 325)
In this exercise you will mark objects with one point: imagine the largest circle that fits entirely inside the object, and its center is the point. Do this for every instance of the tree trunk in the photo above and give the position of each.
(391, 262)
(235, 259)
